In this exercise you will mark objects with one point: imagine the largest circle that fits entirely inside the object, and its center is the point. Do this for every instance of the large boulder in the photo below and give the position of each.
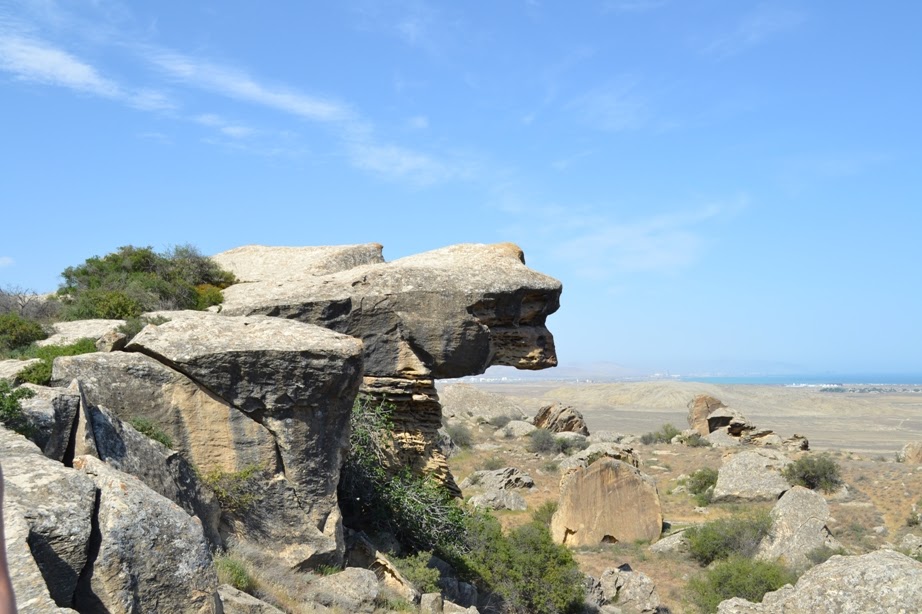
(286, 441)
(632, 591)
(609, 501)
(148, 555)
(499, 500)
(499, 479)
(595, 451)
(911, 453)
(56, 505)
(560, 418)
(352, 590)
(66, 333)
(699, 409)
(798, 528)
(254, 263)
(882, 582)
(752, 475)
(51, 413)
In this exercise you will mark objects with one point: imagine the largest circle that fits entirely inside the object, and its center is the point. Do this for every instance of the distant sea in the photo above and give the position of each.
(810, 380)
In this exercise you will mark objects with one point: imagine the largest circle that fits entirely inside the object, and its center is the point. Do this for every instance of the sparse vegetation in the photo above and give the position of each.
(133, 326)
(695, 440)
(499, 421)
(150, 429)
(737, 577)
(416, 569)
(234, 572)
(663, 435)
(11, 415)
(544, 512)
(569, 445)
(460, 435)
(701, 485)
(816, 472)
(493, 463)
(40, 372)
(235, 490)
(542, 441)
(726, 537)
(17, 332)
(823, 554)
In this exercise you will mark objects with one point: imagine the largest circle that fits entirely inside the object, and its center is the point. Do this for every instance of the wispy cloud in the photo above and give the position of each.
(632, 6)
(418, 122)
(32, 59)
(227, 128)
(6, 261)
(613, 108)
(755, 28)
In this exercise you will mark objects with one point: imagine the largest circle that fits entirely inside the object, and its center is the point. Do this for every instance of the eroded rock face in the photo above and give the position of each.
(255, 263)
(798, 528)
(51, 413)
(66, 333)
(882, 581)
(150, 555)
(911, 453)
(506, 478)
(752, 475)
(559, 418)
(632, 591)
(699, 409)
(608, 502)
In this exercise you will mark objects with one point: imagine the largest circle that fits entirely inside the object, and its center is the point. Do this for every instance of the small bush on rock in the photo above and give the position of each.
(40, 372)
(737, 577)
(11, 415)
(726, 537)
(232, 571)
(814, 472)
(544, 512)
(149, 429)
(493, 463)
(499, 421)
(416, 569)
(235, 490)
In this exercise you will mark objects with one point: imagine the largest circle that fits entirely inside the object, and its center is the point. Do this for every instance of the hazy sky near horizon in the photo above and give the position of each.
(721, 185)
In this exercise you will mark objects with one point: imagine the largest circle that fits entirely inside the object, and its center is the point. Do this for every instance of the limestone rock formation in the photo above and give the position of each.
(288, 436)
(56, 505)
(699, 409)
(880, 582)
(10, 369)
(66, 333)
(499, 500)
(595, 451)
(51, 414)
(149, 555)
(559, 418)
(360, 552)
(499, 479)
(609, 501)
(351, 590)
(911, 453)
(751, 475)
(632, 591)
(798, 527)
(466, 402)
(252, 263)
(238, 602)
(514, 429)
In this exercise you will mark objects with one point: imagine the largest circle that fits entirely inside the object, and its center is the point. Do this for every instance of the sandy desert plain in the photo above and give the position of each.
(861, 431)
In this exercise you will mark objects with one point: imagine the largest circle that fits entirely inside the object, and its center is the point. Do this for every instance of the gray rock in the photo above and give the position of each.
(238, 602)
(911, 453)
(499, 479)
(499, 500)
(721, 438)
(594, 452)
(431, 603)
(10, 369)
(351, 590)
(911, 545)
(606, 437)
(752, 475)
(798, 528)
(56, 503)
(261, 263)
(113, 341)
(514, 429)
(676, 542)
(882, 582)
(52, 413)
(360, 552)
(66, 333)
(464, 401)
(560, 418)
(149, 555)
(633, 591)
(453, 608)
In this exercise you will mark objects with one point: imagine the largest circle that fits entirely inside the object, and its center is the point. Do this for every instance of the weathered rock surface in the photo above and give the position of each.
(632, 591)
(751, 475)
(252, 263)
(608, 502)
(499, 500)
(499, 479)
(360, 552)
(595, 451)
(112, 341)
(56, 504)
(676, 542)
(559, 418)
(721, 438)
(66, 333)
(351, 590)
(148, 554)
(798, 527)
(699, 409)
(911, 545)
(514, 429)
(10, 369)
(911, 454)
(238, 602)
(882, 582)
(51, 413)
(464, 401)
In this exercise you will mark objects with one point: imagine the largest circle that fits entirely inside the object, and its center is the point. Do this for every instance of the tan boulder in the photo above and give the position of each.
(254, 263)
(911, 453)
(699, 409)
(560, 418)
(66, 333)
(609, 501)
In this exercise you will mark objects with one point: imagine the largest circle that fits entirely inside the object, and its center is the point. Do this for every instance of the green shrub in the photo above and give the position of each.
(663, 435)
(40, 372)
(737, 577)
(823, 554)
(814, 472)
(133, 326)
(232, 571)
(541, 441)
(132, 280)
(11, 415)
(460, 434)
(726, 537)
(701, 485)
(499, 421)
(150, 429)
(416, 569)
(236, 490)
(695, 440)
(493, 463)
(569, 445)
(544, 512)
(17, 332)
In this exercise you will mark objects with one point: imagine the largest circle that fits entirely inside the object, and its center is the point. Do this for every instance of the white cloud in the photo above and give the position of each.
(227, 128)
(6, 261)
(754, 29)
(613, 108)
(398, 163)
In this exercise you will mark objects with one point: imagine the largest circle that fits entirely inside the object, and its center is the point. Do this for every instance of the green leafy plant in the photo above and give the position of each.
(816, 472)
(11, 414)
(236, 490)
(737, 577)
(541, 441)
(544, 512)
(569, 445)
(17, 332)
(234, 572)
(493, 463)
(150, 429)
(701, 485)
(40, 372)
(415, 568)
(663, 435)
(726, 537)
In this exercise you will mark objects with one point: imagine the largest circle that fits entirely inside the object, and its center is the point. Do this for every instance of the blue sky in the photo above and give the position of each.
(721, 185)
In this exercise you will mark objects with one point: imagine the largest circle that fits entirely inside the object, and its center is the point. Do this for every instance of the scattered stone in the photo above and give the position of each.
(752, 475)
(514, 430)
(606, 437)
(499, 479)
(560, 418)
(238, 602)
(632, 591)
(883, 581)
(798, 528)
(66, 333)
(609, 501)
(764, 438)
(499, 500)
(796, 443)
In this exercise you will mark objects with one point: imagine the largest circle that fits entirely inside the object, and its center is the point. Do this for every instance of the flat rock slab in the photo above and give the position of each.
(10, 369)
(798, 528)
(66, 333)
(752, 475)
(264, 263)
